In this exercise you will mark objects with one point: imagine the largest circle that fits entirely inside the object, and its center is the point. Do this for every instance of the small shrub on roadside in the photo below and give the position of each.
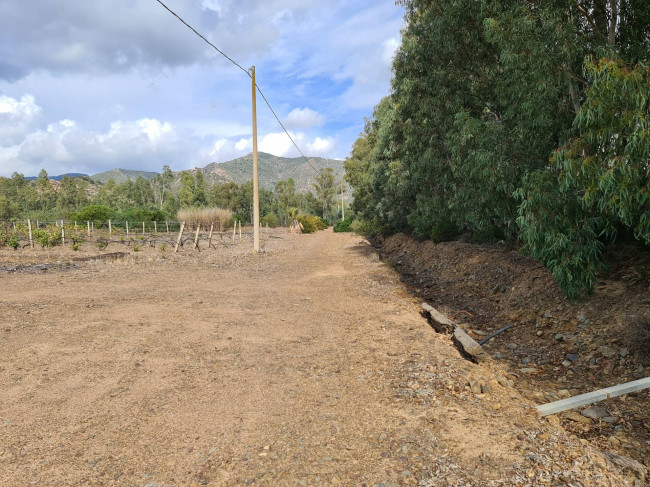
(444, 231)
(367, 228)
(309, 223)
(343, 226)
(13, 241)
(271, 219)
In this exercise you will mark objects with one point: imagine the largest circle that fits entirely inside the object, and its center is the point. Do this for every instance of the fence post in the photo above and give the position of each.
(142, 228)
(127, 228)
(240, 230)
(155, 227)
(196, 237)
(62, 234)
(110, 227)
(180, 236)
(234, 231)
(167, 225)
(31, 236)
(88, 225)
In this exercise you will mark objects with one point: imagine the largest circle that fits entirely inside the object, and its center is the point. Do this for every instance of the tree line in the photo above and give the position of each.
(159, 198)
(515, 120)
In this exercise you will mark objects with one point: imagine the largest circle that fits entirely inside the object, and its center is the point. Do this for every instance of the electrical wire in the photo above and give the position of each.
(248, 74)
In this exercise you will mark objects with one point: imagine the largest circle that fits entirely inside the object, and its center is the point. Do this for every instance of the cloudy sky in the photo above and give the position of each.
(90, 86)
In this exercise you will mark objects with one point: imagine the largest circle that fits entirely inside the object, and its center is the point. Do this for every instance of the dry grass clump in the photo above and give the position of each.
(205, 216)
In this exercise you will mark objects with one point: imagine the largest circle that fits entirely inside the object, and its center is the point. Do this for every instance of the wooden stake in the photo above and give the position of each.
(31, 236)
(142, 228)
(234, 231)
(155, 227)
(110, 228)
(167, 225)
(88, 225)
(196, 237)
(62, 234)
(75, 225)
(127, 228)
(210, 236)
(180, 236)
(240, 230)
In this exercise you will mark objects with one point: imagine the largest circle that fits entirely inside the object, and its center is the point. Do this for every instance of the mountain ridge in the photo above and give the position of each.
(271, 170)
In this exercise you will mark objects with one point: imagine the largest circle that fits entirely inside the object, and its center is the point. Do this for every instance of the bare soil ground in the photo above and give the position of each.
(307, 364)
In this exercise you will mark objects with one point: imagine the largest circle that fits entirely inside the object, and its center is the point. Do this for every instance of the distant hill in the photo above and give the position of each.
(59, 178)
(271, 170)
(122, 175)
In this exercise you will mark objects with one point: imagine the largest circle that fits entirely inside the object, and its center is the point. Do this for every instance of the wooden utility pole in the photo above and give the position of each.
(342, 203)
(256, 194)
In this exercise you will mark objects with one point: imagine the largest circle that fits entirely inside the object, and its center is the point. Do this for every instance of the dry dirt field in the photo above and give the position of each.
(307, 364)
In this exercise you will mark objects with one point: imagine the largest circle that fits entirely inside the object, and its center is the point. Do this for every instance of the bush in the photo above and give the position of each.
(94, 213)
(367, 228)
(343, 226)
(444, 231)
(311, 224)
(271, 219)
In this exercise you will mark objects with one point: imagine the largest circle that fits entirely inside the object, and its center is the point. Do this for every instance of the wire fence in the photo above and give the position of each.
(21, 234)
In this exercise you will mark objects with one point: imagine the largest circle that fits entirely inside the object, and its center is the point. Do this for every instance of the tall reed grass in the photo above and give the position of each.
(205, 216)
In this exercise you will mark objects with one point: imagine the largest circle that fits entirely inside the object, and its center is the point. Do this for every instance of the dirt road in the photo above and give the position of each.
(306, 365)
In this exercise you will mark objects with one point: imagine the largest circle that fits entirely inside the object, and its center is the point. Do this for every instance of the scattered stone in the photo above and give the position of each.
(571, 357)
(610, 420)
(614, 441)
(606, 352)
(526, 360)
(595, 412)
(475, 387)
(559, 337)
(498, 355)
(548, 315)
(540, 333)
(511, 346)
(624, 352)
(577, 417)
(533, 457)
(485, 388)
(566, 363)
(563, 393)
(582, 318)
(528, 370)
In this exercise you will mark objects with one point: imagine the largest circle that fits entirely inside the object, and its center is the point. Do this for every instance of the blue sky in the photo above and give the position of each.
(91, 86)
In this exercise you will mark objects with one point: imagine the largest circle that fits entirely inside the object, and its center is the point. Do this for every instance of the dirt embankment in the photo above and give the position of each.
(556, 348)
(308, 364)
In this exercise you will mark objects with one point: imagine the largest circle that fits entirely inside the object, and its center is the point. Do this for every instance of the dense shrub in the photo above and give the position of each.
(94, 213)
(343, 226)
(271, 220)
(311, 223)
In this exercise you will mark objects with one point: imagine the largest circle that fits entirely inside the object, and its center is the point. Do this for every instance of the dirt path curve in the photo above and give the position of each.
(308, 365)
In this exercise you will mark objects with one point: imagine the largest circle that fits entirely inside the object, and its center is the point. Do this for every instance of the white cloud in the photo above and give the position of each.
(322, 147)
(17, 118)
(304, 118)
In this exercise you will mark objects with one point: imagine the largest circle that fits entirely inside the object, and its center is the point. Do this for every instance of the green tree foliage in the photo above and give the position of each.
(200, 195)
(496, 126)
(325, 190)
(186, 192)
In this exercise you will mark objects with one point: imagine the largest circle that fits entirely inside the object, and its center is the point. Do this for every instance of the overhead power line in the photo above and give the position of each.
(247, 73)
